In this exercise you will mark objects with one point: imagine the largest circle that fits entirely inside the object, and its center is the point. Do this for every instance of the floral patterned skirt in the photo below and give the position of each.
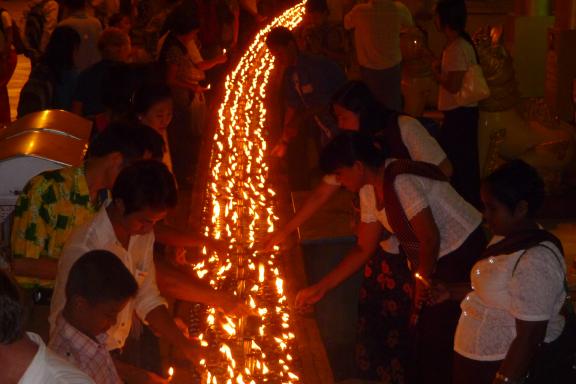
(383, 346)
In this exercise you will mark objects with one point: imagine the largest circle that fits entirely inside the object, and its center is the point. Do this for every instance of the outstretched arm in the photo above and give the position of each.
(313, 203)
(368, 238)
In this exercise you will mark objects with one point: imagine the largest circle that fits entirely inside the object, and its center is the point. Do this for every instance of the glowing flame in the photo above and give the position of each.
(239, 210)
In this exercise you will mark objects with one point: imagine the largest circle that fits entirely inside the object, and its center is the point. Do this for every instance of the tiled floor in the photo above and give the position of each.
(15, 8)
(16, 82)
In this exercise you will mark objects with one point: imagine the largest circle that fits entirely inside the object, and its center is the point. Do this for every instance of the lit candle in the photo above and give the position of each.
(422, 279)
(170, 373)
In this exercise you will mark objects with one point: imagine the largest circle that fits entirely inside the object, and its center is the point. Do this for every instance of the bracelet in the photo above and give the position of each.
(500, 378)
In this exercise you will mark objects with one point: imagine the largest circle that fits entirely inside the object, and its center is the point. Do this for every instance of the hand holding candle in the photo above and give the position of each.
(422, 279)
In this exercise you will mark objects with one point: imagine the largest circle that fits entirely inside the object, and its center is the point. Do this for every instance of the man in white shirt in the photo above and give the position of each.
(376, 27)
(141, 196)
(24, 356)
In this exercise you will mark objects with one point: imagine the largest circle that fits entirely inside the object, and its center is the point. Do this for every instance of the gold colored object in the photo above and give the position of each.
(53, 121)
(493, 160)
(498, 68)
(60, 149)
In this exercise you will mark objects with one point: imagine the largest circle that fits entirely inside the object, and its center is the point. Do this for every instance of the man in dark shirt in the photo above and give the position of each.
(114, 46)
(309, 82)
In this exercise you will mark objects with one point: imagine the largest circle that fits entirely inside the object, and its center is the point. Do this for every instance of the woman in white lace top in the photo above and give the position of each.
(517, 288)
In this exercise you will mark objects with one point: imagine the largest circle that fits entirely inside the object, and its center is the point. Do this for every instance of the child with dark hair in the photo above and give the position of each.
(141, 197)
(435, 230)
(152, 105)
(99, 286)
(513, 309)
(24, 356)
(142, 194)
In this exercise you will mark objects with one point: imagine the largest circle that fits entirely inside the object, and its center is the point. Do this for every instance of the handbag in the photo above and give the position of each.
(474, 87)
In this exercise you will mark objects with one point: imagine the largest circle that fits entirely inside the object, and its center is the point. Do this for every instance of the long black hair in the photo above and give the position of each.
(514, 182)
(356, 97)
(347, 148)
(453, 14)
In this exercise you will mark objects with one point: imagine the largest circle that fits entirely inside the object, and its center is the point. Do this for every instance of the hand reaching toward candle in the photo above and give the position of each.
(219, 246)
(280, 150)
(233, 306)
(192, 351)
(276, 238)
(308, 296)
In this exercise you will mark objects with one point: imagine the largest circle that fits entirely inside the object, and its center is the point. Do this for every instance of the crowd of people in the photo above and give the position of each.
(438, 303)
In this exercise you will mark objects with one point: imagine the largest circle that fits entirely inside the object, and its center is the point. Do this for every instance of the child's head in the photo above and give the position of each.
(152, 105)
(511, 195)
(98, 288)
(143, 193)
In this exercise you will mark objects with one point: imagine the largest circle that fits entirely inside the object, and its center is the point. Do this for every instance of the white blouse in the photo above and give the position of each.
(458, 56)
(533, 292)
(456, 219)
(48, 368)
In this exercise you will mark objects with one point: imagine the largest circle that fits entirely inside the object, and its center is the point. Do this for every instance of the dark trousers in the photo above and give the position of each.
(459, 138)
(385, 84)
(437, 324)
(468, 371)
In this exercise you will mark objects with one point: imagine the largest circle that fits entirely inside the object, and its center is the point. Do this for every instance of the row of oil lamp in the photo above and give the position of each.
(240, 210)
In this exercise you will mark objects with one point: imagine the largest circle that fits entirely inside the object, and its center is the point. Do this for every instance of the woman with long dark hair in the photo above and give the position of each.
(460, 129)
(51, 83)
(437, 231)
(356, 109)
